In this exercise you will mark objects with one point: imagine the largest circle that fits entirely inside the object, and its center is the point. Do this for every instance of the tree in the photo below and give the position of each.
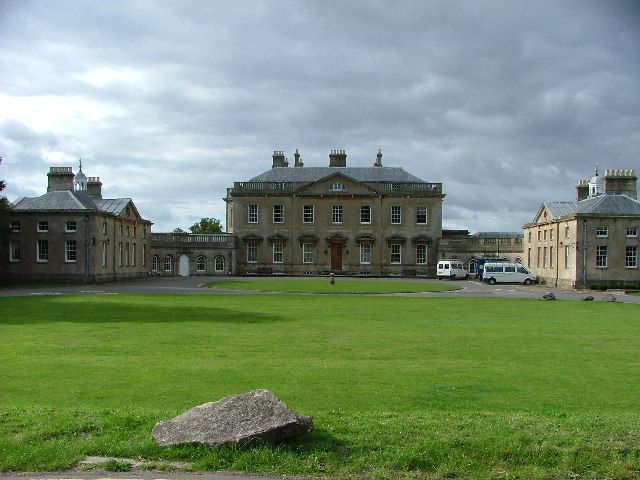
(178, 230)
(206, 225)
(5, 209)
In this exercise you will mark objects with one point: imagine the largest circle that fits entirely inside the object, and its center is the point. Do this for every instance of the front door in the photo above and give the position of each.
(336, 256)
(183, 266)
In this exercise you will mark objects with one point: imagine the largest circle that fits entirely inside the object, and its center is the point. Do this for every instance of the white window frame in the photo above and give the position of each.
(602, 232)
(631, 259)
(278, 214)
(70, 251)
(155, 263)
(601, 256)
(133, 254)
(365, 254)
(104, 253)
(14, 226)
(396, 214)
(632, 232)
(567, 255)
(42, 251)
(338, 187)
(14, 251)
(120, 254)
(127, 254)
(308, 214)
(217, 266)
(421, 254)
(168, 263)
(104, 228)
(551, 257)
(365, 212)
(395, 254)
(278, 252)
(337, 214)
(43, 226)
(421, 211)
(252, 253)
(252, 213)
(308, 253)
(144, 254)
(201, 263)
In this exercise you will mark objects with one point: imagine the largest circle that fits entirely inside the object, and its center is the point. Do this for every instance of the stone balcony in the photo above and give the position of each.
(210, 240)
(417, 188)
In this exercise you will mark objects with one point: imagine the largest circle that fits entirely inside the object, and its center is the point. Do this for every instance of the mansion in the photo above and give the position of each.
(71, 233)
(592, 242)
(350, 220)
(301, 220)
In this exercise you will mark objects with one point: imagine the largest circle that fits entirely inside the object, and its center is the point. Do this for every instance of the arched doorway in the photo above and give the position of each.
(183, 268)
(472, 266)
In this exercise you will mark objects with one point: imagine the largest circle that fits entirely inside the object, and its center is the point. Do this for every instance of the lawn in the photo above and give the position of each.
(341, 285)
(396, 386)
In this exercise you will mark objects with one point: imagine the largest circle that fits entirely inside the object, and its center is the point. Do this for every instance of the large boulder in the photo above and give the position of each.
(235, 419)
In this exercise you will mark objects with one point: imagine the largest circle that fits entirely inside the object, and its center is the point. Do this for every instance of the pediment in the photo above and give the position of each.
(543, 215)
(336, 184)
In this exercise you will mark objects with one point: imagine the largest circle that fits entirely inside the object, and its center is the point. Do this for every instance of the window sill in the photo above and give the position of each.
(42, 261)
(631, 268)
(601, 268)
(70, 261)
(14, 261)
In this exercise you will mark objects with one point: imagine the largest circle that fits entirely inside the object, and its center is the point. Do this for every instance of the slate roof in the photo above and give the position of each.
(71, 201)
(607, 204)
(497, 234)
(312, 174)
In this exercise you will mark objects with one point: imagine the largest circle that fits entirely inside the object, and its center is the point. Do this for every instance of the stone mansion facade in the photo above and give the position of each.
(592, 242)
(72, 233)
(366, 221)
(348, 220)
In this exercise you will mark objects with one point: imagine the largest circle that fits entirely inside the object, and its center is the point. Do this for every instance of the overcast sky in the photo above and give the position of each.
(506, 103)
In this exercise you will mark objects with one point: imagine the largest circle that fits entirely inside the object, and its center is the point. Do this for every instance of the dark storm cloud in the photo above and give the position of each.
(506, 103)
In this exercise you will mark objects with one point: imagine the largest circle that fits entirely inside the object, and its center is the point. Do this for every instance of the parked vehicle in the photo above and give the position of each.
(506, 272)
(480, 262)
(451, 269)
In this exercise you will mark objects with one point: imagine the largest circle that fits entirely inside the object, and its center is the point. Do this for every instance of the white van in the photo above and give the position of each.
(506, 273)
(451, 269)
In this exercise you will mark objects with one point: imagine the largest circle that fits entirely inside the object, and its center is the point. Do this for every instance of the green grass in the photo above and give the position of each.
(341, 286)
(396, 386)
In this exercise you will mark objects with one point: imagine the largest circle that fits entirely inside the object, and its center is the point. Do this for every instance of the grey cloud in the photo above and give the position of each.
(521, 99)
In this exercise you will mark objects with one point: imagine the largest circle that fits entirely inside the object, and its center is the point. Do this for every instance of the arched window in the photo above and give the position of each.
(154, 263)
(472, 266)
(218, 263)
(201, 263)
(168, 263)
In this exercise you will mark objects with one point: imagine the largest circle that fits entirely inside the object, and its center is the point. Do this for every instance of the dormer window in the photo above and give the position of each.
(337, 187)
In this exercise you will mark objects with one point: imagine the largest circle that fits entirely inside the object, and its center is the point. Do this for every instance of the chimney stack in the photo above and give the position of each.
(60, 178)
(582, 189)
(378, 162)
(279, 160)
(337, 158)
(621, 182)
(94, 187)
(298, 161)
